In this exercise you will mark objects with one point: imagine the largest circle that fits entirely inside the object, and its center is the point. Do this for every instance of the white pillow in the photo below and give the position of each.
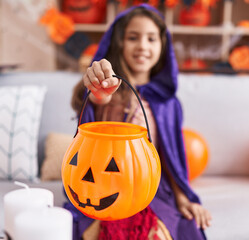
(20, 114)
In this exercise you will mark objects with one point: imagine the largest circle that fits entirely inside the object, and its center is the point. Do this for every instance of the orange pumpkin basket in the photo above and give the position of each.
(111, 170)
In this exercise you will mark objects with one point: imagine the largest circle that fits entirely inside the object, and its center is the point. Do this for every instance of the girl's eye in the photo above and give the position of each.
(152, 39)
(132, 38)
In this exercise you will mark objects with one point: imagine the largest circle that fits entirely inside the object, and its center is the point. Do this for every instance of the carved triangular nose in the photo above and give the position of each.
(89, 176)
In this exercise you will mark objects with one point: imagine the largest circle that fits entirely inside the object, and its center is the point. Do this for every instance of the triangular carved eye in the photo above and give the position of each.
(88, 176)
(74, 160)
(112, 166)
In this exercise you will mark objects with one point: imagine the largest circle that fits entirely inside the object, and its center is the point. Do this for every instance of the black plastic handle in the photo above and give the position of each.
(138, 98)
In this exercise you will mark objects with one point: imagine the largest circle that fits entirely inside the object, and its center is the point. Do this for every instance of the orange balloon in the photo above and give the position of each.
(111, 170)
(196, 153)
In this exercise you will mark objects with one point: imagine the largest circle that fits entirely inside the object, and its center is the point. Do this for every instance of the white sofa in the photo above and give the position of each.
(214, 105)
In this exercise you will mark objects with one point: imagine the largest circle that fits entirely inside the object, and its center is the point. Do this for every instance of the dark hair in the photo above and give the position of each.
(116, 48)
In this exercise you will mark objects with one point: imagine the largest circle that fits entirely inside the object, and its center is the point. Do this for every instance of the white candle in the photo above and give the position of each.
(21, 200)
(44, 224)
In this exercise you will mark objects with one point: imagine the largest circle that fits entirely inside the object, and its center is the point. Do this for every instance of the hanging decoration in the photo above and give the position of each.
(59, 26)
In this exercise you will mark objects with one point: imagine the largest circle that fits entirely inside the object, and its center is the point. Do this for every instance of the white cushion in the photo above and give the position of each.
(20, 111)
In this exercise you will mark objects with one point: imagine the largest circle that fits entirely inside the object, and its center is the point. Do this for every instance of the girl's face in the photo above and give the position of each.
(142, 45)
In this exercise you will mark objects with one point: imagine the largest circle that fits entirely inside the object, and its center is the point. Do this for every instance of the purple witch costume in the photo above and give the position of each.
(160, 94)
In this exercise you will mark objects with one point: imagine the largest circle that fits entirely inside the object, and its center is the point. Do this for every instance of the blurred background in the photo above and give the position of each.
(52, 35)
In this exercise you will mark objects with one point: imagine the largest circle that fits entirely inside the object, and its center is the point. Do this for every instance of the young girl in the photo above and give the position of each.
(138, 48)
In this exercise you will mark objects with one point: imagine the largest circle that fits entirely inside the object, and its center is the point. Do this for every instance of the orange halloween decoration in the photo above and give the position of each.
(60, 26)
(87, 56)
(111, 170)
(90, 50)
(194, 64)
(85, 11)
(123, 3)
(196, 153)
(171, 3)
(208, 3)
(153, 3)
(244, 23)
(196, 15)
(239, 58)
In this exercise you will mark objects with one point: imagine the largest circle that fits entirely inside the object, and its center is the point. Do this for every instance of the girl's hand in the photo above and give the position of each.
(192, 210)
(99, 80)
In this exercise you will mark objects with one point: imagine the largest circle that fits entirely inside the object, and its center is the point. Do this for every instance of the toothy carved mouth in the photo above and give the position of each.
(103, 203)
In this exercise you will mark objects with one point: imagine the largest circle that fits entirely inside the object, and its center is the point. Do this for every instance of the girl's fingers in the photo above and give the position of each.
(208, 218)
(203, 221)
(110, 82)
(197, 215)
(99, 79)
(202, 217)
(98, 71)
(88, 84)
(93, 78)
(106, 68)
(186, 213)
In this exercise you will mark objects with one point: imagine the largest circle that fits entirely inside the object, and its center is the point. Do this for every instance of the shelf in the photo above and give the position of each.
(207, 30)
(175, 29)
(225, 30)
(240, 31)
(91, 27)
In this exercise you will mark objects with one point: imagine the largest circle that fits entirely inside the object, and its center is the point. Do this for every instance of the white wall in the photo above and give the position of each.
(22, 39)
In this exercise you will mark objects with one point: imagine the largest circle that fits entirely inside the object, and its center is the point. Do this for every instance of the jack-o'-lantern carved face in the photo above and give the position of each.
(111, 177)
(105, 201)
